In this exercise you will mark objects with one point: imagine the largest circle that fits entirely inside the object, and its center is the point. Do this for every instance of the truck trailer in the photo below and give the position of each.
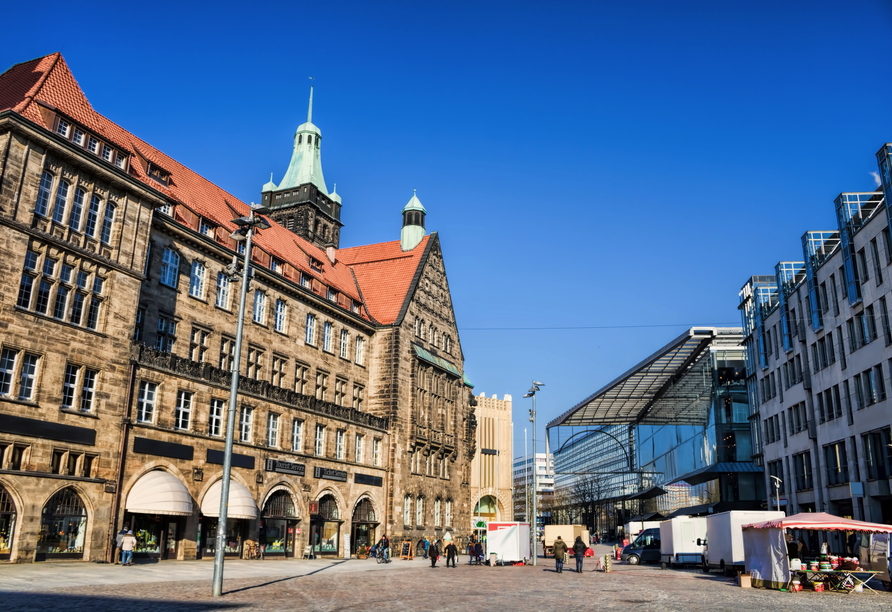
(681, 541)
(568, 534)
(509, 541)
(724, 538)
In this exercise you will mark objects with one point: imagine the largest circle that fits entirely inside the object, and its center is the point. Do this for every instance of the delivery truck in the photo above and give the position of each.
(633, 528)
(568, 534)
(507, 542)
(681, 541)
(724, 538)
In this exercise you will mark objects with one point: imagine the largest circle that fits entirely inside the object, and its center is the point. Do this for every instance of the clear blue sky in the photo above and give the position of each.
(602, 174)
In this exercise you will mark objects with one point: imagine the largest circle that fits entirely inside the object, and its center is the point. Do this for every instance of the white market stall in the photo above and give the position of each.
(508, 541)
(765, 546)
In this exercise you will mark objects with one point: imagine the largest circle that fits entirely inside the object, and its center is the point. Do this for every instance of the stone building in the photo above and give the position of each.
(491, 471)
(118, 341)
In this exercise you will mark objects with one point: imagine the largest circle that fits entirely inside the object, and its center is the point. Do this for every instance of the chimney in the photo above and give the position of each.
(332, 254)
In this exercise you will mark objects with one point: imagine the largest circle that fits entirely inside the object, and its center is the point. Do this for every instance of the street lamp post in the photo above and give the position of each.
(535, 529)
(777, 485)
(247, 226)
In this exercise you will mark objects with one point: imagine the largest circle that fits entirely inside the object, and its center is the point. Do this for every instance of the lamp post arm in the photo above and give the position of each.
(217, 588)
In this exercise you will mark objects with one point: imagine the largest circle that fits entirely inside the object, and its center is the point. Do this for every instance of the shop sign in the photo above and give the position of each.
(285, 467)
(368, 479)
(329, 474)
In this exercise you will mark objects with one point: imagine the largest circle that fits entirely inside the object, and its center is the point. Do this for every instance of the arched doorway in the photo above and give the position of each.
(7, 522)
(325, 527)
(487, 508)
(278, 526)
(242, 510)
(63, 527)
(155, 507)
(364, 521)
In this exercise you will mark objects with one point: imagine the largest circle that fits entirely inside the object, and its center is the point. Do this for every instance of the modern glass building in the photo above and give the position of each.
(670, 435)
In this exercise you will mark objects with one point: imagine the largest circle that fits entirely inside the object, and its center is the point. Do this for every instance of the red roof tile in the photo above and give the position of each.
(384, 272)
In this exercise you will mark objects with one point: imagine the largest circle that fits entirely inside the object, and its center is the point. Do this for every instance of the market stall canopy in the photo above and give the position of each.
(241, 503)
(666, 388)
(820, 521)
(159, 492)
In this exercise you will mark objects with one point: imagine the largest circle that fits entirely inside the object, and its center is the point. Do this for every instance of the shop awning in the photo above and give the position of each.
(241, 503)
(159, 492)
(820, 521)
(711, 472)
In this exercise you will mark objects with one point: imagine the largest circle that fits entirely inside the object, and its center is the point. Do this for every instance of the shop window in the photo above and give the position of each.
(7, 522)
(63, 528)
(278, 524)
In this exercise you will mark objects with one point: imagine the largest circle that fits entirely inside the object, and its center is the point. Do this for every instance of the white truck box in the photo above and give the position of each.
(509, 541)
(568, 534)
(678, 541)
(724, 538)
(633, 528)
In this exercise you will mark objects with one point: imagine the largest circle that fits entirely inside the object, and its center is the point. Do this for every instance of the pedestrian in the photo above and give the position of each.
(128, 543)
(559, 549)
(579, 549)
(425, 546)
(384, 548)
(434, 553)
(451, 553)
(118, 539)
(478, 552)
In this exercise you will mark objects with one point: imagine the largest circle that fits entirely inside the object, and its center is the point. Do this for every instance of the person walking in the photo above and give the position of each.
(559, 549)
(579, 549)
(434, 553)
(478, 552)
(128, 543)
(118, 539)
(451, 553)
(425, 546)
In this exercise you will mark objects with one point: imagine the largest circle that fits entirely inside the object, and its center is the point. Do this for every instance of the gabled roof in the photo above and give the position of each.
(383, 273)
(386, 275)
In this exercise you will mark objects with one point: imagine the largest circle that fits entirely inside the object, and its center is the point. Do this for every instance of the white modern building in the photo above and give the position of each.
(818, 363)
(524, 483)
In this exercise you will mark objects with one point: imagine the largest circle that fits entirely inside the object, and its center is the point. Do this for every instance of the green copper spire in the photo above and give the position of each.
(306, 159)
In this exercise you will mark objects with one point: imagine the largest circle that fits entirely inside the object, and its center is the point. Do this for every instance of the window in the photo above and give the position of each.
(183, 415)
(246, 424)
(837, 465)
(255, 362)
(321, 385)
(340, 451)
(170, 268)
(319, 447)
(107, 224)
(93, 145)
(79, 377)
(198, 344)
(18, 366)
(166, 334)
(326, 337)
(215, 418)
(198, 279)
(92, 216)
(78, 137)
(311, 329)
(345, 341)
(360, 351)
(61, 201)
(376, 452)
(877, 266)
(63, 127)
(43, 194)
(304, 280)
(272, 430)
(224, 295)
(340, 395)
(278, 370)
(206, 228)
(107, 152)
(878, 453)
(227, 353)
(332, 295)
(419, 510)
(77, 209)
(802, 470)
(448, 513)
(358, 396)
(301, 372)
(281, 312)
(297, 436)
(145, 402)
(275, 265)
(437, 504)
(260, 307)
(357, 448)
(884, 321)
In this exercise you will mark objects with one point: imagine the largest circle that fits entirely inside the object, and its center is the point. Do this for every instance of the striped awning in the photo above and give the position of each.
(820, 521)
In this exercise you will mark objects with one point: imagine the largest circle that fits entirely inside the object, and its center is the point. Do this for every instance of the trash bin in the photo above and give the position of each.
(493, 558)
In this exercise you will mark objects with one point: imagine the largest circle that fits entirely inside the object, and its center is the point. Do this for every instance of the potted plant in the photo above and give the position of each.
(362, 552)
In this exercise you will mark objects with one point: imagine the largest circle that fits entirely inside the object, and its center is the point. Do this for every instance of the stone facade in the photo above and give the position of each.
(491, 470)
(118, 341)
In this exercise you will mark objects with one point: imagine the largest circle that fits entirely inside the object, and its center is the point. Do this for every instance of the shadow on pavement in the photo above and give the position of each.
(285, 579)
(28, 602)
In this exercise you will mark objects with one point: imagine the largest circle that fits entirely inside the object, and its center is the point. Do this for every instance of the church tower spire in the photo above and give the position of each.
(301, 202)
(413, 223)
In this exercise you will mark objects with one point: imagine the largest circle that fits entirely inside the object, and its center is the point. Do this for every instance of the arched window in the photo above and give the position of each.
(419, 510)
(279, 505)
(7, 522)
(63, 526)
(328, 508)
(407, 510)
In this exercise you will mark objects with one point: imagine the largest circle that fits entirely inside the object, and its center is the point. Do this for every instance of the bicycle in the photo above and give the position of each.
(383, 556)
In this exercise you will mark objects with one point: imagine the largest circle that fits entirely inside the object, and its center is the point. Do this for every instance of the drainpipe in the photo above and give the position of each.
(125, 436)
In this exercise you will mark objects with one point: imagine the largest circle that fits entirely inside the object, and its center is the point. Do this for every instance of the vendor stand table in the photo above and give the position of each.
(838, 580)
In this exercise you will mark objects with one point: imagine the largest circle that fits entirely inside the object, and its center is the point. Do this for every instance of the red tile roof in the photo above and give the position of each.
(383, 272)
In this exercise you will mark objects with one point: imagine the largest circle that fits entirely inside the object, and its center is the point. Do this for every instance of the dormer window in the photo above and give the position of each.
(275, 265)
(332, 295)
(107, 153)
(93, 146)
(206, 228)
(78, 137)
(158, 174)
(63, 128)
(355, 307)
(164, 208)
(304, 280)
(316, 264)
